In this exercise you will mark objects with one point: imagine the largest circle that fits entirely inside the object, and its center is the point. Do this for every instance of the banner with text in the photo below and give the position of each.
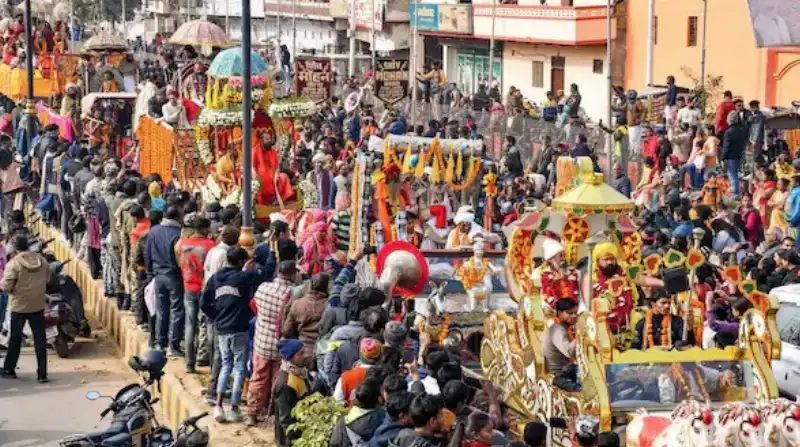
(391, 80)
(313, 78)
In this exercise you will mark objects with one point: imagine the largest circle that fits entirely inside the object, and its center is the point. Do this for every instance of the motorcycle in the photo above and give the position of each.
(133, 422)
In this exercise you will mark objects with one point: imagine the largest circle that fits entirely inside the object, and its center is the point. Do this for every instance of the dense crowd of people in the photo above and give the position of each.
(301, 313)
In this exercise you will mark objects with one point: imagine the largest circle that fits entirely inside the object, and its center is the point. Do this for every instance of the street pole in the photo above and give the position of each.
(278, 19)
(351, 61)
(294, 28)
(413, 76)
(609, 138)
(491, 47)
(703, 54)
(246, 239)
(71, 26)
(372, 33)
(651, 18)
(227, 17)
(30, 109)
(124, 23)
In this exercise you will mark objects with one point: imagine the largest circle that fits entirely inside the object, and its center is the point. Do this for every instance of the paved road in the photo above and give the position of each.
(33, 414)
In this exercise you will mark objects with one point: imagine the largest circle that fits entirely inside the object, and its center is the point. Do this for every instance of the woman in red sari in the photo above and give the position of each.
(762, 191)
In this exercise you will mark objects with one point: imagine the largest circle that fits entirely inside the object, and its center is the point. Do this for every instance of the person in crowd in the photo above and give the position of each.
(226, 303)
(426, 413)
(398, 411)
(654, 331)
(25, 278)
(363, 419)
(733, 147)
(370, 351)
(535, 434)
(723, 110)
(161, 260)
(271, 299)
(622, 184)
(559, 346)
(192, 252)
(305, 314)
(291, 386)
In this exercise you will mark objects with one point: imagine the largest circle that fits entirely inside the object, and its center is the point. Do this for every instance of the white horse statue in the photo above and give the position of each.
(781, 423)
(740, 425)
(690, 425)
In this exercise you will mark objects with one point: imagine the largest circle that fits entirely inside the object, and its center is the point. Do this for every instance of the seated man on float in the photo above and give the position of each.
(559, 346)
(466, 231)
(559, 279)
(606, 270)
(660, 328)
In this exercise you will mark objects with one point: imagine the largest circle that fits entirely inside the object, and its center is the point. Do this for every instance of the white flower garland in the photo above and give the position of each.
(292, 109)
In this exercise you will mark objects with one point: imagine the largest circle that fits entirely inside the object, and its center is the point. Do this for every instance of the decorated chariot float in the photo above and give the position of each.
(655, 394)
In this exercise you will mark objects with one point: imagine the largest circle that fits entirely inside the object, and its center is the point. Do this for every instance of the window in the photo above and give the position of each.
(597, 66)
(655, 30)
(538, 74)
(691, 35)
(788, 320)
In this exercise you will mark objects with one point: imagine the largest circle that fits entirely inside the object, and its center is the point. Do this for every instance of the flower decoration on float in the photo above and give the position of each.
(291, 108)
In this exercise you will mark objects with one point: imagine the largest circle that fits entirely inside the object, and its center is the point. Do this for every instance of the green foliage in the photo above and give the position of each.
(709, 96)
(315, 417)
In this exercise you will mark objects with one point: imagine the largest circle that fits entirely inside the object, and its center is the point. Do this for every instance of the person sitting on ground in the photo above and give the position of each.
(363, 419)
(559, 346)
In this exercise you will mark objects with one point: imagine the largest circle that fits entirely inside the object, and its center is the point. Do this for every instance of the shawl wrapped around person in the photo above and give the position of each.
(622, 305)
(316, 249)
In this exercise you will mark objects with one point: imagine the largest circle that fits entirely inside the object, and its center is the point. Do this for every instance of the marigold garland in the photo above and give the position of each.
(676, 372)
(666, 330)
(470, 276)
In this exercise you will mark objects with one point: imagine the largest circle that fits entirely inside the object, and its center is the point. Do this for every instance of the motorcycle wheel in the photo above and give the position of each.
(61, 346)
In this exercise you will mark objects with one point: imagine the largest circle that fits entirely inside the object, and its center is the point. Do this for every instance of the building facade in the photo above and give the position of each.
(540, 46)
(770, 75)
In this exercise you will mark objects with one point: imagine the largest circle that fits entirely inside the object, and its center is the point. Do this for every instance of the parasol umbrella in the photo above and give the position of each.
(201, 33)
(228, 64)
(105, 41)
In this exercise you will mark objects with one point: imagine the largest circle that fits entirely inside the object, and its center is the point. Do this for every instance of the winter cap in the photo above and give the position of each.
(289, 347)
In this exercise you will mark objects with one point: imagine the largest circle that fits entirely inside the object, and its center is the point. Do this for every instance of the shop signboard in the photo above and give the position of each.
(425, 16)
(313, 78)
(391, 80)
(454, 19)
(369, 14)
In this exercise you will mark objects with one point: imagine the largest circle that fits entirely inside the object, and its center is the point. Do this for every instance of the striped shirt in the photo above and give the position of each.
(271, 300)
(341, 229)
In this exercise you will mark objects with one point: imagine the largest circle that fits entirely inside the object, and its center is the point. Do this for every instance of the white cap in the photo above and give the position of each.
(319, 157)
(462, 217)
(551, 248)
(277, 217)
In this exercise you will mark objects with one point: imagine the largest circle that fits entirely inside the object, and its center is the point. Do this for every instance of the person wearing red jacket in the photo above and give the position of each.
(723, 110)
(191, 253)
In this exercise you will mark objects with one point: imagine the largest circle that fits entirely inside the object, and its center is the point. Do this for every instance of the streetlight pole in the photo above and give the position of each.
(703, 54)
(294, 29)
(246, 238)
(351, 62)
(491, 46)
(651, 18)
(30, 109)
(609, 138)
(278, 19)
(372, 33)
(413, 76)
